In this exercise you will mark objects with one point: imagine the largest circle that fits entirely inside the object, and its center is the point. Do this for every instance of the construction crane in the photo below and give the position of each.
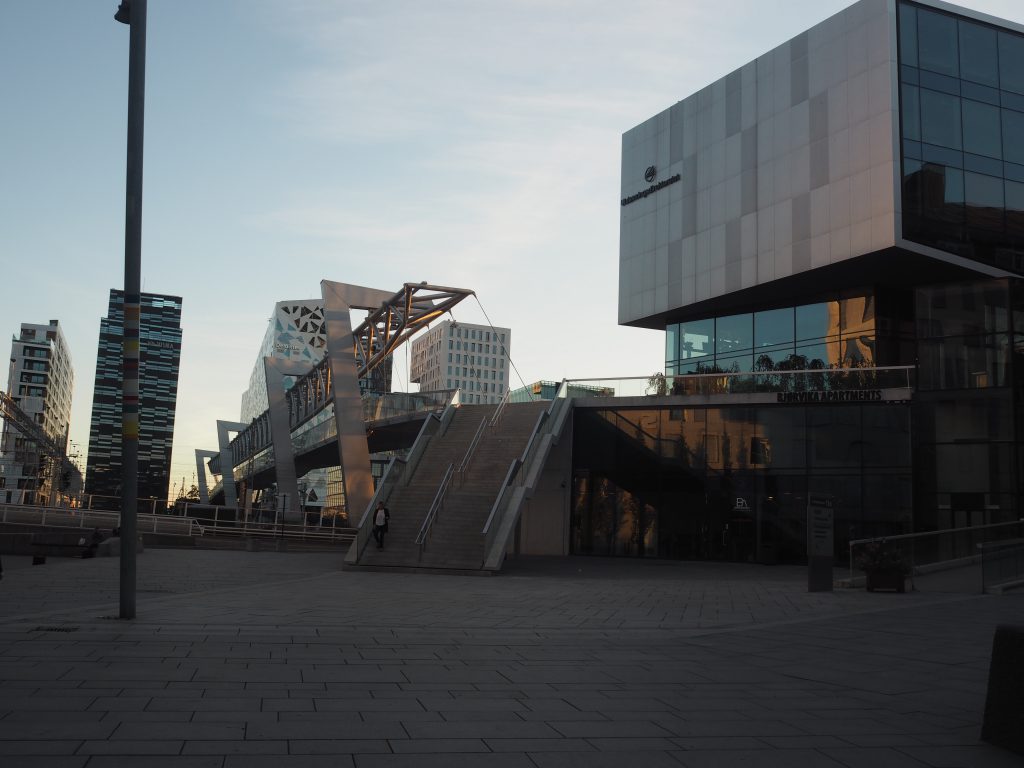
(49, 456)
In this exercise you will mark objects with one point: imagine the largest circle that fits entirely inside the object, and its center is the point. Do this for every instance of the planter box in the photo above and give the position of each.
(895, 580)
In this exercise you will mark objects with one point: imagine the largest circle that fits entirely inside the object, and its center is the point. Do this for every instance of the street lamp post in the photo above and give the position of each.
(132, 13)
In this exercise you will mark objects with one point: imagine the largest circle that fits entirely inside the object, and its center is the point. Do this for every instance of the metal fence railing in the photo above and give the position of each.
(73, 517)
(828, 380)
(1002, 563)
(931, 550)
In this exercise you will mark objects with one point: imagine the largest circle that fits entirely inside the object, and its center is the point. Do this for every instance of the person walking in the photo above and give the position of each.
(380, 523)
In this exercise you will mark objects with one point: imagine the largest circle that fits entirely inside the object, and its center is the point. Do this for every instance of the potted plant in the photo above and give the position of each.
(884, 567)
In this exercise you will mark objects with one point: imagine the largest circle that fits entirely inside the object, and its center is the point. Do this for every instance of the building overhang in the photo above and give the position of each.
(893, 267)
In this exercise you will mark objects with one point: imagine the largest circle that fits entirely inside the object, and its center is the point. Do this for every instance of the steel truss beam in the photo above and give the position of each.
(401, 316)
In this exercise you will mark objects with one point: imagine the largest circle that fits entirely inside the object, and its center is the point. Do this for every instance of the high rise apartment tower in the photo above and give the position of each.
(40, 381)
(159, 352)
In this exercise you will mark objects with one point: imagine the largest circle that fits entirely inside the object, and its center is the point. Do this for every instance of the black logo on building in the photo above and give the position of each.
(650, 175)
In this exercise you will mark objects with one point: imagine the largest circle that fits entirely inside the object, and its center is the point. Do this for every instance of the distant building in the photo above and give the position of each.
(159, 353)
(40, 382)
(547, 390)
(296, 332)
(473, 358)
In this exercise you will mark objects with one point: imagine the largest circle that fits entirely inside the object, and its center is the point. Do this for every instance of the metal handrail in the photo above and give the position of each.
(923, 535)
(435, 508)
(397, 470)
(513, 470)
(470, 452)
(517, 471)
(500, 410)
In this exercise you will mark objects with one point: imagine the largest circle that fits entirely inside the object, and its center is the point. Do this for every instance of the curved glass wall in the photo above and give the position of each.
(962, 116)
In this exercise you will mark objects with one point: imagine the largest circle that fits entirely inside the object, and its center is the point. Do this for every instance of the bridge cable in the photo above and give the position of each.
(503, 347)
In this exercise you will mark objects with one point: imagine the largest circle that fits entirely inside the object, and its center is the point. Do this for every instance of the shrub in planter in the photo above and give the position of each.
(884, 567)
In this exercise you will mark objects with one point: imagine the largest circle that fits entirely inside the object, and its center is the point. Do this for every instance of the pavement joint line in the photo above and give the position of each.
(676, 632)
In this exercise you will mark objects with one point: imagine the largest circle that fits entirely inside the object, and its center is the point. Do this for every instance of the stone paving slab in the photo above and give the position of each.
(282, 659)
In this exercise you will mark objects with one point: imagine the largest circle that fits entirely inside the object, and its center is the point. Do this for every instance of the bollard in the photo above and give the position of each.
(1004, 704)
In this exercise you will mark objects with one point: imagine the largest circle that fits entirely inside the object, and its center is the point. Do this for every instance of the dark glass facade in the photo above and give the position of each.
(732, 482)
(967, 409)
(962, 119)
(159, 353)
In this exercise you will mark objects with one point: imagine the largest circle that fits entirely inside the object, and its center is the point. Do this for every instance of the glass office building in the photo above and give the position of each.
(159, 353)
(852, 200)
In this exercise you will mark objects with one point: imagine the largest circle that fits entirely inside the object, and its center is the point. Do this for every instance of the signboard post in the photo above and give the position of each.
(820, 543)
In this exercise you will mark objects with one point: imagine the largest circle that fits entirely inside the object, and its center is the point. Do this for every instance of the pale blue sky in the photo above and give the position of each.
(462, 142)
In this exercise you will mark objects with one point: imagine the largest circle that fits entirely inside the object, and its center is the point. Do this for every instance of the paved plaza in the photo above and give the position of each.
(242, 659)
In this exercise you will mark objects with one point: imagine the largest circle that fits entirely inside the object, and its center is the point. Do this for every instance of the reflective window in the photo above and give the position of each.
(773, 328)
(734, 333)
(835, 436)
(984, 198)
(937, 48)
(837, 333)
(857, 314)
(817, 320)
(940, 119)
(978, 60)
(908, 34)
(981, 129)
(1014, 197)
(1013, 130)
(810, 356)
(968, 362)
(671, 338)
(735, 362)
(1011, 62)
(911, 113)
(696, 338)
(962, 310)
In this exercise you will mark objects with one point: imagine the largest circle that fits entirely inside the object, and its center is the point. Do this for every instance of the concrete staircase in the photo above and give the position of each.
(455, 541)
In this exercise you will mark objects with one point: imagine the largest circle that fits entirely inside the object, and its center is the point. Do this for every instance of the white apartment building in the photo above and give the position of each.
(40, 381)
(473, 358)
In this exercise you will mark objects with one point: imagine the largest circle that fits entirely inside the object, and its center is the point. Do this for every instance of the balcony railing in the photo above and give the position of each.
(830, 381)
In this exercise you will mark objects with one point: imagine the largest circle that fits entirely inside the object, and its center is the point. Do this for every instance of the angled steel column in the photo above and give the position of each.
(280, 428)
(227, 471)
(204, 491)
(353, 453)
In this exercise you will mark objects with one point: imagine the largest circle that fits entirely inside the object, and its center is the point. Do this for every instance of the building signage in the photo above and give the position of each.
(650, 175)
(832, 396)
(291, 349)
(821, 525)
(820, 542)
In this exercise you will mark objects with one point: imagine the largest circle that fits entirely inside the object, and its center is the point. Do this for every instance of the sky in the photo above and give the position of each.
(468, 143)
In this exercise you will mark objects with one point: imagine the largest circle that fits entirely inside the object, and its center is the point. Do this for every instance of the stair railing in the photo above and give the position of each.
(463, 467)
(435, 509)
(522, 473)
(500, 410)
(398, 472)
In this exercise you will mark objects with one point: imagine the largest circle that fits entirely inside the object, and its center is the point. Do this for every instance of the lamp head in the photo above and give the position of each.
(124, 12)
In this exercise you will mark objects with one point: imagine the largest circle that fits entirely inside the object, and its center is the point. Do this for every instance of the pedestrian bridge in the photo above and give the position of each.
(325, 419)
(392, 422)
